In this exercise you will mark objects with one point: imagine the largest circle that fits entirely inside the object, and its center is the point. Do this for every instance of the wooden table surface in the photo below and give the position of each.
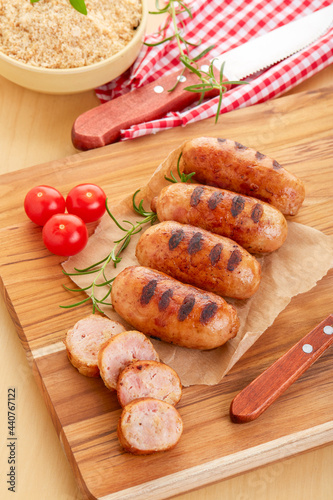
(35, 128)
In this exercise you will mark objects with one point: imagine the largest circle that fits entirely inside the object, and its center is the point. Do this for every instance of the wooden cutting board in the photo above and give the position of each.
(296, 131)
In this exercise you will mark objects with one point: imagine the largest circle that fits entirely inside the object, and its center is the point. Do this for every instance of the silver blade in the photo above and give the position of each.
(274, 46)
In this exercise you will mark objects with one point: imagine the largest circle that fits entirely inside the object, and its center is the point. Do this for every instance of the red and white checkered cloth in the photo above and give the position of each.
(226, 24)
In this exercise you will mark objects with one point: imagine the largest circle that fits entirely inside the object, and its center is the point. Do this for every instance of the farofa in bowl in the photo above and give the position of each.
(50, 47)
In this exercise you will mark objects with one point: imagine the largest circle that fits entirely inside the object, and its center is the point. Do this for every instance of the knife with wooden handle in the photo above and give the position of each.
(102, 125)
(252, 401)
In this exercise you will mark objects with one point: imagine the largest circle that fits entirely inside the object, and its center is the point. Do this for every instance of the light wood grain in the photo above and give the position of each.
(212, 448)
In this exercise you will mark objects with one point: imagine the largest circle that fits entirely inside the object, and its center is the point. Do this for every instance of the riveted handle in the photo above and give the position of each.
(102, 125)
(252, 401)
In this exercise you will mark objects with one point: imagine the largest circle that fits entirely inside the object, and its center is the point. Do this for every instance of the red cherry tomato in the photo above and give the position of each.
(41, 202)
(87, 201)
(65, 234)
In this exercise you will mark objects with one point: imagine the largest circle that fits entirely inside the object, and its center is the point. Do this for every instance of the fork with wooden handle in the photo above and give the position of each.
(252, 401)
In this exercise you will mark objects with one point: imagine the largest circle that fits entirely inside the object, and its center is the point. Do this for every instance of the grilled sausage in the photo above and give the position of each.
(199, 258)
(163, 307)
(256, 226)
(121, 350)
(153, 379)
(230, 165)
(85, 339)
(149, 425)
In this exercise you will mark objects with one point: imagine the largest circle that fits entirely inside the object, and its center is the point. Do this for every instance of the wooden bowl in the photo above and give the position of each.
(75, 80)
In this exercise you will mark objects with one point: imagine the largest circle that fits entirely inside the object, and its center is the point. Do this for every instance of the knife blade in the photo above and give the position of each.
(275, 45)
(102, 125)
(255, 398)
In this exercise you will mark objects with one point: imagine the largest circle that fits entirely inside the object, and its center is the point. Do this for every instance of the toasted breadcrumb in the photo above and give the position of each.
(52, 34)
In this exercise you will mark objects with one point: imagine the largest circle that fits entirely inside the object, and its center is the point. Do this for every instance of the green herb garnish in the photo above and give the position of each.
(114, 256)
(182, 177)
(208, 81)
(78, 5)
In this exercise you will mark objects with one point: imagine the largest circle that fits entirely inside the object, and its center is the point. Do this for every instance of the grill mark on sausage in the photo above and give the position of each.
(214, 200)
(276, 165)
(257, 212)
(165, 299)
(237, 205)
(234, 260)
(240, 146)
(260, 156)
(176, 238)
(148, 292)
(219, 139)
(195, 243)
(186, 307)
(215, 254)
(196, 195)
(208, 312)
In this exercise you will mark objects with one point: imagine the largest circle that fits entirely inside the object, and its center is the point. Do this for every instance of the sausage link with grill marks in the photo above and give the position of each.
(175, 312)
(200, 258)
(256, 226)
(230, 165)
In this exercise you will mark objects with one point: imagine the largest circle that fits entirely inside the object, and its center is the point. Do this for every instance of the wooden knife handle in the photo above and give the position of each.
(265, 389)
(102, 125)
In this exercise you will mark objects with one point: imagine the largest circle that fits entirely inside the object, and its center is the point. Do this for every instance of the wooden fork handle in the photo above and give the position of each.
(267, 387)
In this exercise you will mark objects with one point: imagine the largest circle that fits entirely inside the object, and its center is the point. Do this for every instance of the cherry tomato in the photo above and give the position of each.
(87, 201)
(41, 202)
(65, 234)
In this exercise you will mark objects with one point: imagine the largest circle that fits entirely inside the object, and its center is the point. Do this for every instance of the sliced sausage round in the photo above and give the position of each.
(149, 425)
(154, 379)
(85, 339)
(121, 350)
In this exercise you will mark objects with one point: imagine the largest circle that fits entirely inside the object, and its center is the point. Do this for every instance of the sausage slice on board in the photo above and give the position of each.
(228, 164)
(255, 225)
(121, 350)
(163, 307)
(149, 425)
(200, 258)
(154, 379)
(85, 339)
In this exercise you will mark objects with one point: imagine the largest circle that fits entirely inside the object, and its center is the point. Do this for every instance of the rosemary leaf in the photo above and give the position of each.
(76, 304)
(79, 273)
(90, 267)
(76, 289)
(203, 53)
(79, 5)
(160, 42)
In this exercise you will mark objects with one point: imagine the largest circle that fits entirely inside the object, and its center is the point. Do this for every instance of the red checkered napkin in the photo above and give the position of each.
(226, 24)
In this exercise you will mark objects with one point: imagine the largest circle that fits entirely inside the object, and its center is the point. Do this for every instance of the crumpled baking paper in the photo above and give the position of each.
(304, 258)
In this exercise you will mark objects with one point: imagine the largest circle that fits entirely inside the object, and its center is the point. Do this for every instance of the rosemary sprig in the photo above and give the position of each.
(99, 268)
(78, 5)
(182, 176)
(208, 80)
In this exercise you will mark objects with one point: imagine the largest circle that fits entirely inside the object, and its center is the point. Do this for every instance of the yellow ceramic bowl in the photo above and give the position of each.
(75, 80)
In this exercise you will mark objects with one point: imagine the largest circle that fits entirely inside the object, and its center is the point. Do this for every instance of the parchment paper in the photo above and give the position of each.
(304, 258)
